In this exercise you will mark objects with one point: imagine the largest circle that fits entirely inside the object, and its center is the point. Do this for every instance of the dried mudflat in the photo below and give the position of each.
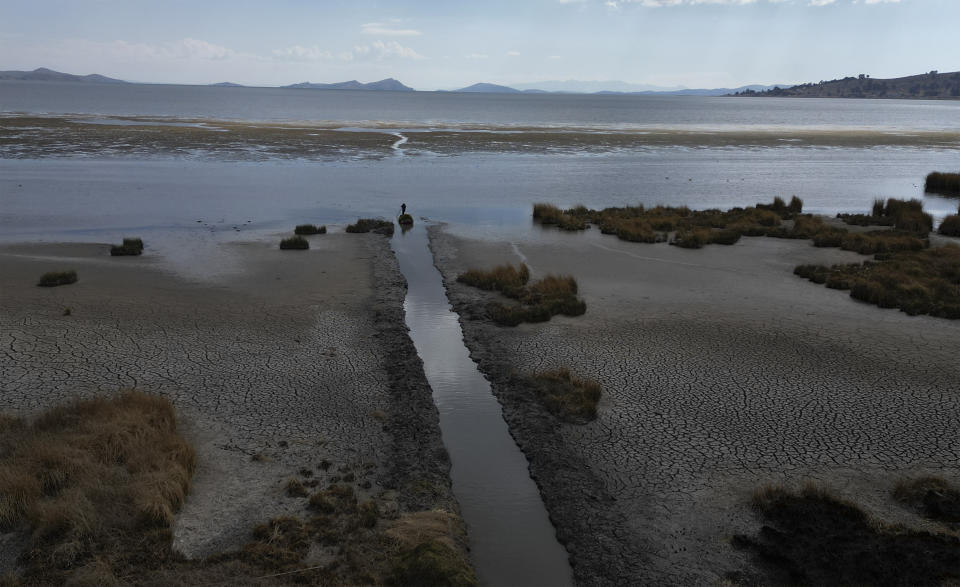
(722, 372)
(300, 362)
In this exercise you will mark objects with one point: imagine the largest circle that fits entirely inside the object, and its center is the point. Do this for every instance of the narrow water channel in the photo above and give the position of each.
(512, 541)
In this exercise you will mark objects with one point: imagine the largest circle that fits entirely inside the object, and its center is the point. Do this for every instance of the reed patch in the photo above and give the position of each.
(55, 278)
(916, 282)
(296, 243)
(129, 247)
(568, 397)
(309, 229)
(384, 227)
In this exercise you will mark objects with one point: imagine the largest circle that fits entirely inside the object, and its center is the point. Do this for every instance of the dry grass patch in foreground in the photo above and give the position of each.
(812, 538)
(568, 397)
(90, 479)
(917, 282)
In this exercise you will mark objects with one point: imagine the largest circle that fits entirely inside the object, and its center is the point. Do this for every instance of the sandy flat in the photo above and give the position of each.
(281, 367)
(722, 371)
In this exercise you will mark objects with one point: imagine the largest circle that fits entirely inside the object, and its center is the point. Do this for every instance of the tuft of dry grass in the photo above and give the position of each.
(545, 298)
(917, 282)
(506, 279)
(130, 246)
(384, 227)
(950, 226)
(55, 278)
(295, 243)
(90, 478)
(309, 229)
(943, 183)
(570, 398)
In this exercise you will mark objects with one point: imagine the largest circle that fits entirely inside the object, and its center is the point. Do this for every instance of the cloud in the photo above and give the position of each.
(821, 2)
(376, 51)
(387, 30)
(477, 56)
(513, 54)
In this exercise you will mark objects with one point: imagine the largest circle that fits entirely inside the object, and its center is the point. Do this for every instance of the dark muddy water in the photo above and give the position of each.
(511, 538)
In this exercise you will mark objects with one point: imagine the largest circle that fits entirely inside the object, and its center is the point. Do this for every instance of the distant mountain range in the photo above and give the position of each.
(227, 85)
(932, 85)
(43, 74)
(389, 85)
(498, 89)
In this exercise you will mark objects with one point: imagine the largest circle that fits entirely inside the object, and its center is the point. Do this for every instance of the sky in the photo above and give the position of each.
(446, 44)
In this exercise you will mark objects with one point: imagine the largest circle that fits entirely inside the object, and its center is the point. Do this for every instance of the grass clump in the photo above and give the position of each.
(538, 302)
(310, 229)
(931, 496)
(384, 227)
(569, 398)
(506, 279)
(55, 278)
(405, 220)
(881, 241)
(95, 482)
(295, 243)
(943, 183)
(426, 551)
(916, 282)
(950, 226)
(546, 213)
(812, 538)
(129, 247)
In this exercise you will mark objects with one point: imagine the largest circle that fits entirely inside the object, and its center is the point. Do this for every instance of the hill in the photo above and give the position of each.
(384, 85)
(227, 85)
(43, 74)
(929, 86)
(489, 89)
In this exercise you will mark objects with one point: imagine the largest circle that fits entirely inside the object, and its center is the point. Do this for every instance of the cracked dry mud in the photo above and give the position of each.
(302, 359)
(721, 371)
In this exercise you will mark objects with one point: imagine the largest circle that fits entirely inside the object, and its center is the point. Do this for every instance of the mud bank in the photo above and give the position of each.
(302, 362)
(721, 372)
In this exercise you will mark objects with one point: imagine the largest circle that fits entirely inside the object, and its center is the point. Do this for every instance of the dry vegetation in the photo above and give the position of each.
(812, 538)
(919, 282)
(943, 183)
(384, 227)
(568, 397)
(55, 278)
(309, 229)
(405, 220)
(95, 484)
(295, 243)
(538, 302)
(129, 247)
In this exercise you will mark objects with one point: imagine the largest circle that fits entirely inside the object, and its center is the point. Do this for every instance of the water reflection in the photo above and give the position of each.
(512, 540)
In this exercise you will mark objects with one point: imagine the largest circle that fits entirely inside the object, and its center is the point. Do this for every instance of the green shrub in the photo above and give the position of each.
(130, 246)
(310, 229)
(295, 243)
(950, 226)
(55, 278)
(943, 183)
(795, 206)
(378, 226)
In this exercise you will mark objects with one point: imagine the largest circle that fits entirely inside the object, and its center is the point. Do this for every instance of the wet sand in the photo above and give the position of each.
(301, 358)
(722, 371)
(35, 136)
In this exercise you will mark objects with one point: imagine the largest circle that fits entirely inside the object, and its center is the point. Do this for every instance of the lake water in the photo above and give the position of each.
(93, 162)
